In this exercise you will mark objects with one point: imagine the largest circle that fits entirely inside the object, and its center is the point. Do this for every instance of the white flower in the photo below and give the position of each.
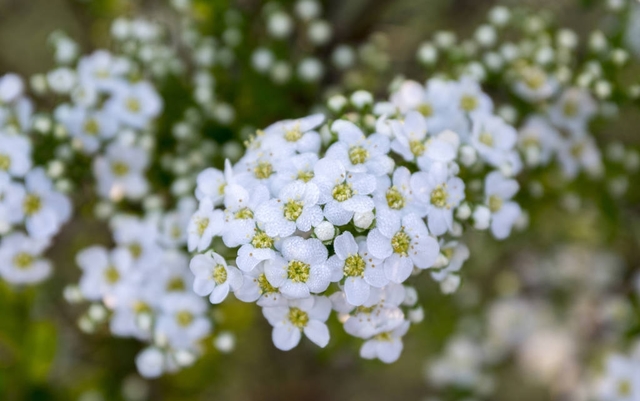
(135, 105)
(258, 168)
(15, 154)
(436, 99)
(359, 153)
(11, 88)
(120, 172)
(295, 168)
(386, 346)
(240, 208)
(573, 110)
(442, 194)
(538, 140)
(493, 139)
(102, 70)
(342, 193)
(150, 362)
(173, 274)
(576, 154)
(379, 314)
(306, 315)
(535, 85)
(173, 227)
(256, 288)
(295, 208)
(11, 194)
(301, 269)
(622, 379)
(62, 80)
(498, 192)
(469, 97)
(456, 253)
(102, 271)
(44, 209)
(362, 271)
(205, 223)
(412, 143)
(21, 261)
(133, 305)
(296, 135)
(139, 237)
(211, 183)
(182, 320)
(91, 128)
(214, 276)
(402, 244)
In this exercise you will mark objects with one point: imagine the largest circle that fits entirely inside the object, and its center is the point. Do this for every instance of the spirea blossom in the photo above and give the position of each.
(352, 217)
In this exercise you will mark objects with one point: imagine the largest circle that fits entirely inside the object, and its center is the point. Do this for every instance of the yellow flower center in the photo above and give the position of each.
(111, 275)
(298, 271)
(534, 78)
(263, 170)
(176, 284)
(184, 318)
(495, 203)
(298, 317)
(23, 260)
(265, 286)
(342, 192)
(570, 108)
(468, 103)
(32, 204)
(624, 388)
(140, 307)
(401, 243)
(244, 214)
(531, 141)
(135, 249)
(395, 200)
(365, 309)
(417, 148)
(219, 274)
(439, 196)
(386, 336)
(293, 134)
(5, 162)
(262, 240)
(425, 109)
(486, 138)
(292, 210)
(358, 155)
(305, 176)
(201, 225)
(119, 169)
(91, 127)
(577, 150)
(448, 253)
(133, 105)
(354, 266)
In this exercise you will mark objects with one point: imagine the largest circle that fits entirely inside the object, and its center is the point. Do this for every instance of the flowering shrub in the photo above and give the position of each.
(186, 194)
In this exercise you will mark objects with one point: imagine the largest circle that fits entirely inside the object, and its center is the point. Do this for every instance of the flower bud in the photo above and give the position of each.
(325, 231)
(481, 217)
(363, 220)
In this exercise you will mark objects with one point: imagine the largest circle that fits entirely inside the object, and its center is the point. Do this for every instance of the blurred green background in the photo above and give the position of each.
(44, 356)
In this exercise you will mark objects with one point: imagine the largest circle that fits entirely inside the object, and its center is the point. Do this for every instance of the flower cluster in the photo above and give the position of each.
(554, 345)
(108, 111)
(310, 205)
(32, 210)
(145, 285)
